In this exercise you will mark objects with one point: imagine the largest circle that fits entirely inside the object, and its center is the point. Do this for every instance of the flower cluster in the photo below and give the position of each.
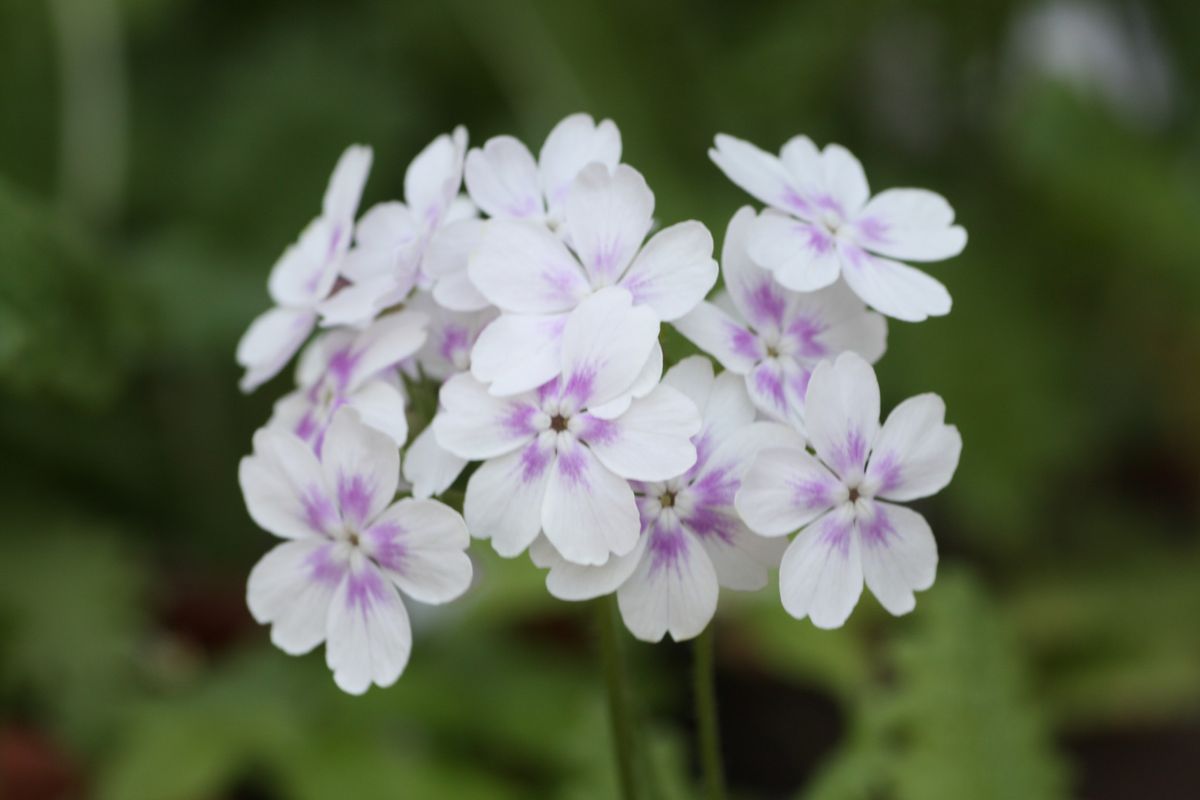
(533, 292)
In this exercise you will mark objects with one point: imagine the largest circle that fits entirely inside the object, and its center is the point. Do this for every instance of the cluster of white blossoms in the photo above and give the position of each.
(536, 299)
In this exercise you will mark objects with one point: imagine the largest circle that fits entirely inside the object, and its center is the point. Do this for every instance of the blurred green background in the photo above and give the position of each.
(157, 155)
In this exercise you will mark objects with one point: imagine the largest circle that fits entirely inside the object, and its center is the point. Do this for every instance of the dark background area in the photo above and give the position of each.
(157, 155)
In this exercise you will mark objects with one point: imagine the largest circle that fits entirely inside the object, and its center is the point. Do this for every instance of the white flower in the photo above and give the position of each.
(428, 466)
(537, 279)
(839, 497)
(773, 336)
(401, 245)
(349, 549)
(356, 369)
(506, 183)
(823, 222)
(304, 275)
(692, 540)
(550, 463)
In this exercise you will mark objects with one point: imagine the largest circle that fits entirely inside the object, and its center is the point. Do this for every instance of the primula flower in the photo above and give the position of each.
(304, 275)
(506, 183)
(844, 497)
(356, 369)
(774, 336)
(428, 466)
(537, 279)
(549, 463)
(822, 222)
(692, 541)
(350, 550)
(400, 245)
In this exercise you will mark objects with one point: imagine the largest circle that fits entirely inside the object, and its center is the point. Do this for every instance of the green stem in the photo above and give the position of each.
(620, 703)
(708, 733)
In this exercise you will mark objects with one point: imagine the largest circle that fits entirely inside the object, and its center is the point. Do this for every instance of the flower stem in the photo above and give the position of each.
(620, 703)
(708, 733)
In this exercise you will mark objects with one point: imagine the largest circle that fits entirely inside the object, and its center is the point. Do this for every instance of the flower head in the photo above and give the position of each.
(844, 498)
(350, 552)
(822, 223)
(692, 540)
(551, 463)
(773, 336)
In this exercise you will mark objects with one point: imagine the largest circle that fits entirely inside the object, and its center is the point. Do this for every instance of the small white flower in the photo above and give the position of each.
(822, 222)
(850, 533)
(506, 183)
(401, 245)
(304, 275)
(774, 336)
(356, 369)
(692, 540)
(550, 462)
(349, 550)
(428, 466)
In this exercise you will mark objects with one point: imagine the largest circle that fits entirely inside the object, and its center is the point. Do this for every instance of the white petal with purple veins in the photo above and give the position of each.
(429, 467)
(844, 179)
(270, 342)
(758, 172)
(434, 176)
(421, 546)
(290, 588)
(766, 384)
(369, 635)
(605, 344)
(285, 489)
(717, 333)
(674, 271)
(649, 442)
(802, 256)
(821, 575)
(502, 179)
(785, 489)
(387, 342)
(916, 452)
(608, 215)
(899, 555)
(910, 224)
(674, 588)
(574, 143)
(645, 382)
(474, 424)
(307, 270)
(741, 559)
(892, 288)
(362, 467)
(588, 514)
(521, 267)
(518, 352)
(506, 494)
(842, 412)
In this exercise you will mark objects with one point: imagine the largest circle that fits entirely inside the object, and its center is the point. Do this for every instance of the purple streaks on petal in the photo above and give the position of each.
(572, 465)
(835, 534)
(534, 460)
(385, 546)
(827, 202)
(518, 419)
(712, 522)
(354, 496)
(716, 487)
(813, 493)
(819, 241)
(667, 546)
(341, 367)
(580, 384)
(598, 431)
(878, 529)
(767, 304)
(548, 390)
(873, 230)
(804, 332)
(323, 568)
(745, 343)
(318, 510)
(561, 280)
(364, 588)
(855, 256)
(768, 381)
(852, 454)
(793, 200)
(798, 384)
(455, 339)
(887, 471)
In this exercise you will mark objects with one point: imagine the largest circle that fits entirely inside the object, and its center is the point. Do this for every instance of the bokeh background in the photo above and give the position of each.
(157, 155)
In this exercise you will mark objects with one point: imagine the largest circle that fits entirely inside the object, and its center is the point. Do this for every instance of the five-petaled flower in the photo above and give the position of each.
(844, 497)
(551, 463)
(351, 550)
(774, 336)
(692, 541)
(822, 222)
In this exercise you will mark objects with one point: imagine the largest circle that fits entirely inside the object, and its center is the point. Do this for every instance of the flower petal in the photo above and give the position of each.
(915, 453)
(521, 267)
(755, 294)
(674, 271)
(899, 556)
(784, 490)
(358, 304)
(741, 559)
(910, 224)
(574, 143)
(502, 179)
(519, 352)
(589, 513)
(833, 320)
(381, 405)
(361, 465)
(674, 588)
(346, 183)
(568, 581)
(649, 442)
(505, 497)
(693, 378)
(307, 270)
(718, 334)
(727, 409)
(369, 635)
(608, 215)
(429, 467)
(290, 588)
(476, 425)
(821, 575)
(843, 178)
(270, 342)
(433, 178)
(841, 412)
(892, 288)
(285, 489)
(605, 344)
(802, 256)
(645, 382)
(388, 341)
(421, 546)
(766, 384)
(756, 171)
